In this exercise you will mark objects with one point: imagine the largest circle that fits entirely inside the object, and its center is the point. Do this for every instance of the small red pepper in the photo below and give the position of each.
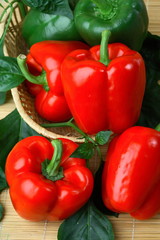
(44, 59)
(131, 174)
(104, 94)
(45, 182)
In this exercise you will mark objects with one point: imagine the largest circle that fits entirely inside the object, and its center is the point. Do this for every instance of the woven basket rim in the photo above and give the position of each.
(34, 125)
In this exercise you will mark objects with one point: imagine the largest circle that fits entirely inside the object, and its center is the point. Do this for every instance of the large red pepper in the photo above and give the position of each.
(101, 93)
(53, 192)
(44, 59)
(131, 175)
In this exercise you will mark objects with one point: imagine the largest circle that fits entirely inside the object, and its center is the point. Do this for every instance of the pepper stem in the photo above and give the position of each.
(104, 55)
(41, 79)
(51, 168)
(158, 127)
(68, 124)
(104, 6)
(54, 164)
(84, 135)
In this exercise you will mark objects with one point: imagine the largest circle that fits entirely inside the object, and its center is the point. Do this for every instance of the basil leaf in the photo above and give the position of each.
(1, 212)
(10, 74)
(87, 223)
(56, 7)
(85, 150)
(12, 130)
(150, 113)
(103, 137)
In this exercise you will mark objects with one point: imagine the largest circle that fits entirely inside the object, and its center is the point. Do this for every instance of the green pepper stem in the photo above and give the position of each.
(104, 55)
(86, 136)
(68, 124)
(158, 127)
(41, 79)
(104, 6)
(54, 165)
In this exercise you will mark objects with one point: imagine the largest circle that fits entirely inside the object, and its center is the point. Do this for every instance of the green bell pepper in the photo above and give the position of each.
(127, 21)
(39, 26)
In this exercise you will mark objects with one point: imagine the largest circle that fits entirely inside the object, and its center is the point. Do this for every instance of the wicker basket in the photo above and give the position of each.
(24, 102)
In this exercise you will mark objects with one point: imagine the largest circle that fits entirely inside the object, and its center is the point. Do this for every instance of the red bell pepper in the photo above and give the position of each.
(131, 174)
(45, 60)
(104, 93)
(45, 182)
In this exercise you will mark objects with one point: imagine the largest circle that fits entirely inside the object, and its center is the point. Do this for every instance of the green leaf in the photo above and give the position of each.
(2, 97)
(150, 113)
(103, 137)
(1, 212)
(87, 224)
(10, 74)
(85, 150)
(12, 130)
(56, 7)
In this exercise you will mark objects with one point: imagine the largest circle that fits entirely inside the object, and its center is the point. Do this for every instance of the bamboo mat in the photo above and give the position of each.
(12, 227)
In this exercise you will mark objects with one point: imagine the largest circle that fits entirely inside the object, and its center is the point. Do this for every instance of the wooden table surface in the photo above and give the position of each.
(13, 227)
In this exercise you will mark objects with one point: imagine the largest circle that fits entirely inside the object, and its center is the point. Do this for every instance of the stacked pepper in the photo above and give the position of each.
(103, 13)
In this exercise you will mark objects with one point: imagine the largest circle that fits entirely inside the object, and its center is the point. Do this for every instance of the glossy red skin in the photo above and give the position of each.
(52, 107)
(104, 97)
(36, 198)
(131, 175)
(48, 55)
